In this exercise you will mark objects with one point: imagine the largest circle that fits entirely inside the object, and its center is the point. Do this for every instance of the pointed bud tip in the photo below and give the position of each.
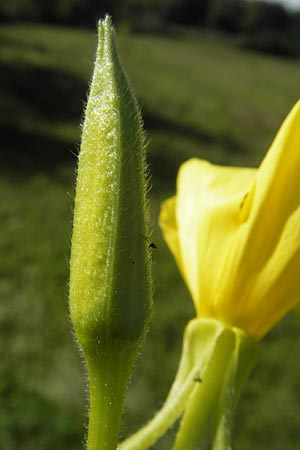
(106, 23)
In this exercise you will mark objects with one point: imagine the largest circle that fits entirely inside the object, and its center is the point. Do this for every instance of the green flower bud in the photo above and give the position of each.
(110, 281)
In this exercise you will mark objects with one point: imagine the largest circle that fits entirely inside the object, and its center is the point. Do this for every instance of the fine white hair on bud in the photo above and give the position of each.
(110, 280)
(110, 296)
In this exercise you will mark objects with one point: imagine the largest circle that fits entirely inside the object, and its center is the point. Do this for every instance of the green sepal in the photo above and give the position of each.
(241, 363)
(201, 340)
(214, 401)
(214, 365)
(200, 405)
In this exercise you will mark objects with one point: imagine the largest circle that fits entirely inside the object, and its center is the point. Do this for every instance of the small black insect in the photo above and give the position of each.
(150, 244)
(198, 379)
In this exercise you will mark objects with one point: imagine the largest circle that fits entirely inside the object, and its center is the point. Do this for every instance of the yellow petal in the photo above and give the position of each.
(267, 249)
(277, 286)
(209, 203)
(235, 234)
(168, 224)
(277, 192)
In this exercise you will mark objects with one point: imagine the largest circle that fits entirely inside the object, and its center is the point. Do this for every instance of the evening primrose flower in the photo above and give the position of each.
(235, 234)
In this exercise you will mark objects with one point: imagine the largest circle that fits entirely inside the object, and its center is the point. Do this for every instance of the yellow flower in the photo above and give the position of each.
(235, 234)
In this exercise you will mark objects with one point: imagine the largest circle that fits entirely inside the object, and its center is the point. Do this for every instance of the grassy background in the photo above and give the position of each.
(201, 96)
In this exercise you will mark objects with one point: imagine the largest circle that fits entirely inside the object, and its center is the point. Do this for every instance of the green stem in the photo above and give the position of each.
(108, 377)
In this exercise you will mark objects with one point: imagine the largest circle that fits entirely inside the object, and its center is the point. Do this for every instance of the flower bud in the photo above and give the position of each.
(110, 281)
(110, 288)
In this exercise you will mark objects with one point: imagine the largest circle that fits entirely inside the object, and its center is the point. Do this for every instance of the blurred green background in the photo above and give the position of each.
(214, 79)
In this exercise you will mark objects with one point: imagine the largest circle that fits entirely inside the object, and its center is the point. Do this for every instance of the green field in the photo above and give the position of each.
(200, 96)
